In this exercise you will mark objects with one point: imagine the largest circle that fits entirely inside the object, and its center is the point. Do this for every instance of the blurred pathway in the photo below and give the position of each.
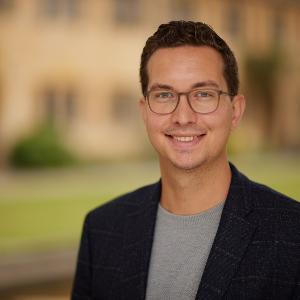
(35, 268)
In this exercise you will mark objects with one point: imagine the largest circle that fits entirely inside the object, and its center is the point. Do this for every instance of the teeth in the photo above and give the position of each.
(184, 138)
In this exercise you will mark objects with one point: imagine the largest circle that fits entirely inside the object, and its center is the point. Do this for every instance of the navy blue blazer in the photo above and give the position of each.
(255, 254)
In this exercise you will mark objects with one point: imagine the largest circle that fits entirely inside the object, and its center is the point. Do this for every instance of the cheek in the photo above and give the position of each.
(154, 126)
(155, 134)
(220, 123)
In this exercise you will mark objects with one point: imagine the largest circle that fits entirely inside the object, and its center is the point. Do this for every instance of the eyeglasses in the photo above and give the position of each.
(203, 101)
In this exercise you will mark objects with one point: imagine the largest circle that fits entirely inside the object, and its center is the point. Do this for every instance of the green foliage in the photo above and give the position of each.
(41, 149)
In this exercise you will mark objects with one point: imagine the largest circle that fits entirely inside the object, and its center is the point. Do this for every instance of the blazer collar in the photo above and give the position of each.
(232, 238)
(137, 243)
(234, 234)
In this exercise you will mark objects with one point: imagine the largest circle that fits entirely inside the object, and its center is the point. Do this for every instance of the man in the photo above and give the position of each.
(204, 231)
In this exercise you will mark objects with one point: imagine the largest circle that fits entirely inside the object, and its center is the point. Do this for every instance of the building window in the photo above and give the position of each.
(181, 9)
(278, 29)
(49, 99)
(59, 106)
(72, 8)
(127, 11)
(70, 104)
(60, 8)
(233, 20)
(51, 8)
(6, 5)
(123, 106)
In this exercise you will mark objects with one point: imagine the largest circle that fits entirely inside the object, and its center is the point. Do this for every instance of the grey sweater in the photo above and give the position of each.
(180, 250)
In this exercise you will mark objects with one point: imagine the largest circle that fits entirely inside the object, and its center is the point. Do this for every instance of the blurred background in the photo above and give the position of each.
(70, 133)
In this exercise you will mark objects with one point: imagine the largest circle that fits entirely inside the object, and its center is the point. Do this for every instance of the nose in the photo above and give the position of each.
(183, 113)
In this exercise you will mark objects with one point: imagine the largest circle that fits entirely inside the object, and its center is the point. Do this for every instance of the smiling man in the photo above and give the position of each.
(204, 231)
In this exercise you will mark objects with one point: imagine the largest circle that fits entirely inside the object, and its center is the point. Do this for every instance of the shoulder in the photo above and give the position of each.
(112, 214)
(259, 196)
(264, 197)
(277, 214)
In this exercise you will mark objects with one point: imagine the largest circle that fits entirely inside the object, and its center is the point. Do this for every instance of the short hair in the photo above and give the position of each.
(189, 33)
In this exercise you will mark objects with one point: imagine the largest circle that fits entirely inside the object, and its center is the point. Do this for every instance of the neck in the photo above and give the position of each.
(187, 192)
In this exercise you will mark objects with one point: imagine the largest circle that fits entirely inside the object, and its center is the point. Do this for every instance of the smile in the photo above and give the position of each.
(185, 139)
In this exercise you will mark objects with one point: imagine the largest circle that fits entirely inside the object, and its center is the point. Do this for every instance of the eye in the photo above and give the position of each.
(164, 95)
(204, 94)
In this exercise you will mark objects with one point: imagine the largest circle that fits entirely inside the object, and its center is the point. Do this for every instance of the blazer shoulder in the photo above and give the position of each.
(277, 214)
(114, 211)
(268, 198)
(258, 196)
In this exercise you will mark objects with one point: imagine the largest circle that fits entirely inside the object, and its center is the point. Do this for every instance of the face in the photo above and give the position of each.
(185, 139)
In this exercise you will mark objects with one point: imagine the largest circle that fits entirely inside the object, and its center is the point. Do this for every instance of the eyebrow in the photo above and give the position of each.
(207, 83)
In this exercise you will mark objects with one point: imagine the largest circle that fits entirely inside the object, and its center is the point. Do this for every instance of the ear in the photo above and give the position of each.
(238, 108)
(142, 107)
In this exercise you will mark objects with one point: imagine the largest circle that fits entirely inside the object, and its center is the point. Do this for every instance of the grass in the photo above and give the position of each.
(45, 209)
(42, 224)
(280, 172)
(40, 210)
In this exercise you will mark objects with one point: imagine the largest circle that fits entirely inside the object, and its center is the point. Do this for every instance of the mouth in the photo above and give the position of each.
(185, 139)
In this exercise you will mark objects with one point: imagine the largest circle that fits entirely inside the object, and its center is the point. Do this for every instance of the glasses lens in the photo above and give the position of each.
(162, 102)
(204, 100)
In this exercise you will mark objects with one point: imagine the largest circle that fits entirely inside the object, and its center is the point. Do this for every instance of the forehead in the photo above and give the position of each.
(185, 65)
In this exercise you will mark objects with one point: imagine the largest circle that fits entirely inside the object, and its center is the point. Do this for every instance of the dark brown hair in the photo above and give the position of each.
(182, 33)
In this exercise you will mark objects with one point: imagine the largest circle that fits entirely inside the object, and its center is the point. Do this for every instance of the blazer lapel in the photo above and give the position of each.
(137, 244)
(231, 241)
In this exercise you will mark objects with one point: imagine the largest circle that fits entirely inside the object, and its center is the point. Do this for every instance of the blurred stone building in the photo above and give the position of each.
(75, 63)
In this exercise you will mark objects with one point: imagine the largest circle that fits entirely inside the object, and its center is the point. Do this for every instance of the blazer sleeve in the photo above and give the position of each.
(82, 284)
(296, 295)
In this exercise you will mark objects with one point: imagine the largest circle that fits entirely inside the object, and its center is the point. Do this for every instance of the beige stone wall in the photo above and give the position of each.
(96, 57)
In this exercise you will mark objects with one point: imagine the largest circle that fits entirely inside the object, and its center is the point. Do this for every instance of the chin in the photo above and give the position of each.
(193, 163)
(188, 165)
